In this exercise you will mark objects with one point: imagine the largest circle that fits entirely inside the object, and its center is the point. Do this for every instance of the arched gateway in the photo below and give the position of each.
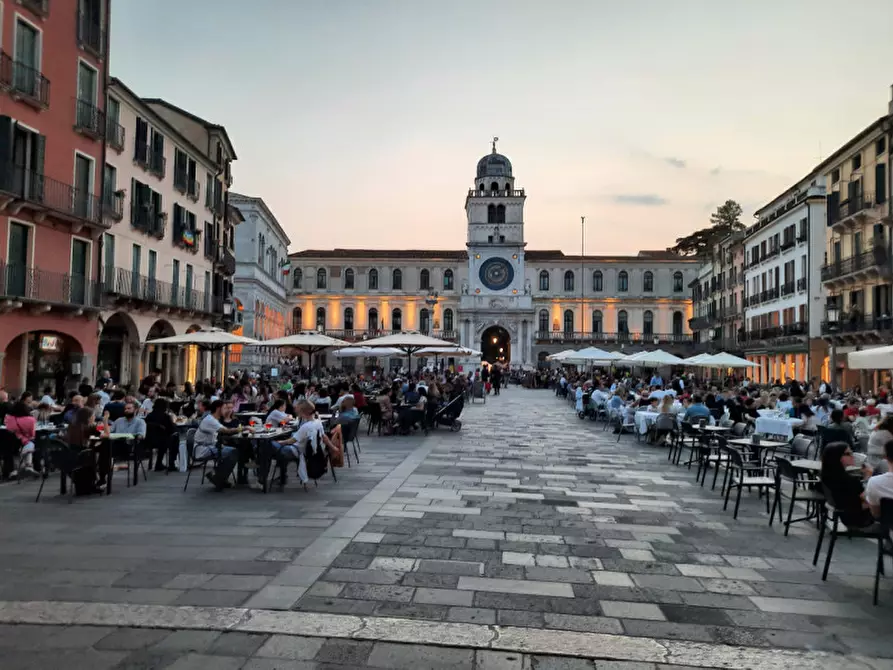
(496, 345)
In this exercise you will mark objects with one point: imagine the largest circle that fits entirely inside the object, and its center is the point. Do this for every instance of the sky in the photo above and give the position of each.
(360, 122)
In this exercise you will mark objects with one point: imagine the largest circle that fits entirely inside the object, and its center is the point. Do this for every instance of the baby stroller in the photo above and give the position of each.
(582, 413)
(448, 414)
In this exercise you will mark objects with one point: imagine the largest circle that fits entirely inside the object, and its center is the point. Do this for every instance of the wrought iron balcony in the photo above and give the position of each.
(113, 205)
(875, 260)
(144, 218)
(90, 34)
(775, 333)
(89, 120)
(803, 235)
(22, 283)
(573, 337)
(128, 286)
(39, 7)
(788, 244)
(150, 160)
(226, 260)
(210, 247)
(24, 82)
(114, 134)
(802, 284)
(699, 322)
(878, 327)
(43, 193)
(787, 288)
(851, 209)
(184, 184)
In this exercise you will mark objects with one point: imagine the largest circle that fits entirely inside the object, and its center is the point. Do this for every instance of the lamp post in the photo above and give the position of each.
(832, 312)
(431, 301)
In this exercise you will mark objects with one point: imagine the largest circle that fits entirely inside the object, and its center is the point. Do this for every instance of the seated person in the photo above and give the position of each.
(115, 407)
(697, 410)
(206, 446)
(227, 415)
(76, 402)
(810, 423)
(846, 489)
(877, 441)
(162, 416)
(277, 413)
(861, 426)
(880, 486)
(348, 411)
(358, 396)
(310, 432)
(129, 423)
(21, 424)
(839, 429)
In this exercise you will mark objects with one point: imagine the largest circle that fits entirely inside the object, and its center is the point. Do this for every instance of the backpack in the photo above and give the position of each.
(316, 460)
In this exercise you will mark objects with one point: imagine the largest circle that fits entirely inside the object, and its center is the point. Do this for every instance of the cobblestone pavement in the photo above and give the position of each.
(530, 539)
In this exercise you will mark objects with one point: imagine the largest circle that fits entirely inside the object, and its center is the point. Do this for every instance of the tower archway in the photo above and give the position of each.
(496, 345)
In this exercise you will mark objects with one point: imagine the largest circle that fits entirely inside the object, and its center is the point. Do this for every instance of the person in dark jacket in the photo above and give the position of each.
(845, 488)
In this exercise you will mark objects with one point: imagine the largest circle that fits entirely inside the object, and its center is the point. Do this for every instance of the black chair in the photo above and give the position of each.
(59, 457)
(871, 532)
(740, 474)
(193, 461)
(884, 547)
(739, 429)
(350, 431)
(10, 452)
(374, 418)
(162, 442)
(800, 489)
(248, 407)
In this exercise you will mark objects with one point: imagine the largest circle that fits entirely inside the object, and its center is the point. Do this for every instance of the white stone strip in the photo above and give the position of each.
(599, 646)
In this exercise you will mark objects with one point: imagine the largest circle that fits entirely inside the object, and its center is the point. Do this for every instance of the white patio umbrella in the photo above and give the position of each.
(447, 351)
(656, 358)
(726, 360)
(593, 355)
(561, 355)
(409, 343)
(206, 338)
(701, 360)
(879, 358)
(362, 352)
(310, 343)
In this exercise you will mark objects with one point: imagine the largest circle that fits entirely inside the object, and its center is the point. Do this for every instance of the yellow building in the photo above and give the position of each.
(857, 269)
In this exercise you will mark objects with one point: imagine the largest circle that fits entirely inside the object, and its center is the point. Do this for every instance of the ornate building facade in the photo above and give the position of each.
(513, 304)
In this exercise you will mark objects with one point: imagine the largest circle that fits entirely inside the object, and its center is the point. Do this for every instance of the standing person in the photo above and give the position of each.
(485, 378)
(496, 379)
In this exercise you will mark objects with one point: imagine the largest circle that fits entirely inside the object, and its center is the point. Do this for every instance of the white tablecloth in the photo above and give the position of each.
(772, 426)
(645, 418)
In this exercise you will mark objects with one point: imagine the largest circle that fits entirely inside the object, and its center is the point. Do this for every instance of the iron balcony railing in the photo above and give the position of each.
(184, 184)
(859, 324)
(150, 160)
(851, 207)
(128, 285)
(788, 243)
(144, 218)
(113, 205)
(39, 7)
(561, 336)
(359, 334)
(788, 287)
(210, 247)
(803, 235)
(875, 257)
(802, 284)
(24, 81)
(114, 134)
(22, 282)
(44, 192)
(88, 118)
(226, 260)
(775, 332)
(90, 33)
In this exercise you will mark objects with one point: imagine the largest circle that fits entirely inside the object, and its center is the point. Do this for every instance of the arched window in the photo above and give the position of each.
(491, 213)
(297, 320)
(373, 279)
(597, 321)
(622, 323)
(677, 323)
(569, 280)
(348, 278)
(500, 213)
(677, 282)
(321, 278)
(448, 320)
(396, 320)
(261, 249)
(508, 187)
(397, 280)
(424, 280)
(320, 318)
(598, 281)
(494, 187)
(348, 318)
(568, 322)
(648, 282)
(373, 319)
(448, 280)
(424, 320)
(482, 186)
(297, 278)
(623, 281)
(543, 324)
(544, 280)
(648, 323)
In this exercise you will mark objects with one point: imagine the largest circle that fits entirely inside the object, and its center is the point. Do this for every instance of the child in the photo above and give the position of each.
(861, 426)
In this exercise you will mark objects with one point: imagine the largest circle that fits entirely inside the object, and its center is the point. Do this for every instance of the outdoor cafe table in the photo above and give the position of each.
(768, 425)
(258, 445)
(97, 442)
(758, 448)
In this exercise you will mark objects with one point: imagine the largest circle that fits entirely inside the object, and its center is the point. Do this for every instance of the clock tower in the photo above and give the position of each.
(497, 300)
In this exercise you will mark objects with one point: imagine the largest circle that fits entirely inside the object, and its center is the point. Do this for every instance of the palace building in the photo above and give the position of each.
(515, 305)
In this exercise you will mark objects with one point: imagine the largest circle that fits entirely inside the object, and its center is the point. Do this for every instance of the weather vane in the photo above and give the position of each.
(495, 140)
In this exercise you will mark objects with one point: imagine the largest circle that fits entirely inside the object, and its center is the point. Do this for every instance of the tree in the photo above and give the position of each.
(723, 222)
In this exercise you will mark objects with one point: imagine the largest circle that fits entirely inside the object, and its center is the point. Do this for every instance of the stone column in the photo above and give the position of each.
(86, 368)
(136, 354)
(176, 374)
(2, 356)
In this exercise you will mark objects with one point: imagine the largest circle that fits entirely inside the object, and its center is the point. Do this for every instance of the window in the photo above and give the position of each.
(835, 176)
(397, 280)
(109, 185)
(424, 280)
(448, 280)
(648, 282)
(424, 320)
(677, 323)
(491, 213)
(297, 278)
(321, 278)
(568, 322)
(28, 149)
(544, 281)
(598, 281)
(373, 279)
(261, 249)
(373, 319)
(396, 320)
(108, 248)
(500, 214)
(857, 161)
(87, 115)
(27, 59)
(880, 146)
(543, 324)
(348, 318)
(597, 321)
(448, 320)
(175, 279)
(348, 278)
(677, 282)
(569, 280)
(185, 231)
(623, 281)
(113, 111)
(184, 173)
(80, 270)
(321, 318)
(648, 323)
(622, 322)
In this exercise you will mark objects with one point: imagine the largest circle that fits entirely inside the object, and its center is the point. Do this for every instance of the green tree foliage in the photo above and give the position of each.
(723, 222)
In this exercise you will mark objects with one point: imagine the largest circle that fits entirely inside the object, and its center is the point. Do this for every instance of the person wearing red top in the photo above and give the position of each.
(871, 408)
(358, 397)
(852, 410)
(21, 424)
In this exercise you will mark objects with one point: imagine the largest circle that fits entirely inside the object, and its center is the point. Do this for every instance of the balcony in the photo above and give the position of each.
(699, 322)
(90, 34)
(358, 335)
(803, 236)
(568, 337)
(24, 83)
(772, 253)
(21, 284)
(868, 264)
(42, 194)
(150, 160)
(127, 287)
(852, 212)
(39, 7)
(511, 193)
(144, 218)
(788, 244)
(209, 247)
(778, 335)
(185, 185)
(859, 329)
(114, 134)
(226, 261)
(787, 288)
(113, 205)
(802, 284)
(89, 120)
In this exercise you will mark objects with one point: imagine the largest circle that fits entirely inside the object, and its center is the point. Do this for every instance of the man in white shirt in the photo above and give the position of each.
(206, 446)
(148, 401)
(880, 486)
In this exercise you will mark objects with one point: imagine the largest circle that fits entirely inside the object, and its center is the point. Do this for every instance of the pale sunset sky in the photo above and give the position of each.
(360, 122)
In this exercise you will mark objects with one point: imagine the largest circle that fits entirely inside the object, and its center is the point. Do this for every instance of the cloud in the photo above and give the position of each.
(715, 171)
(675, 162)
(643, 199)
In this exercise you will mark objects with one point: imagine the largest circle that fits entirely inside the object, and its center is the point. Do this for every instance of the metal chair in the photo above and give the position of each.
(884, 547)
(58, 456)
(741, 475)
(800, 490)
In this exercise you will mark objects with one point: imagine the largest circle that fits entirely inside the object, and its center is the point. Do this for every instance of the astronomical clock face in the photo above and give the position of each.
(496, 274)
